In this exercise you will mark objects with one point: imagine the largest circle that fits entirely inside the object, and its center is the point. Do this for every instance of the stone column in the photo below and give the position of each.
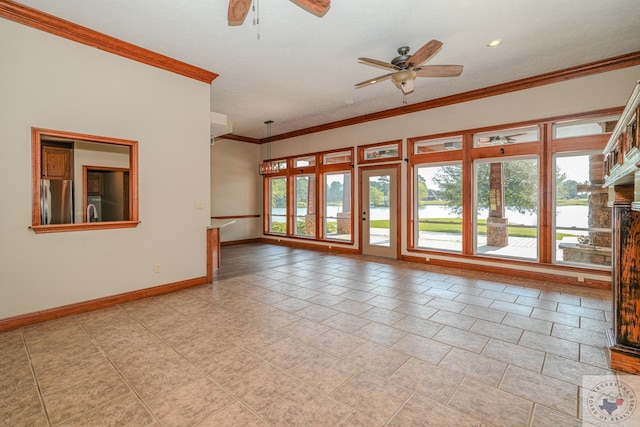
(497, 231)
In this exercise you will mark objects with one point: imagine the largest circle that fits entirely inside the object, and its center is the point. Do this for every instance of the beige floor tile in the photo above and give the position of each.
(286, 353)
(497, 330)
(15, 370)
(491, 405)
(234, 415)
(417, 326)
(324, 371)
(21, 405)
(546, 417)
(477, 300)
(83, 397)
(124, 411)
(317, 313)
(304, 329)
(580, 335)
(337, 342)
(383, 315)
(548, 391)
(381, 334)
(484, 313)
(356, 419)
(82, 371)
(513, 354)
(189, 404)
(453, 319)
(230, 364)
(474, 365)
(305, 406)
(527, 323)
(445, 304)
(427, 379)
(419, 411)
(556, 317)
(571, 371)
(372, 396)
(461, 339)
(346, 322)
(377, 359)
(553, 345)
(596, 356)
(262, 387)
(422, 348)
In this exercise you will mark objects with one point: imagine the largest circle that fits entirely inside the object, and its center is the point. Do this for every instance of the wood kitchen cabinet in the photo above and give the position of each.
(95, 183)
(57, 162)
(622, 177)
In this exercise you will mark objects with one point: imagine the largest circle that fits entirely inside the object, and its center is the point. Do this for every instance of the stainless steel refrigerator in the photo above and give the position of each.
(56, 201)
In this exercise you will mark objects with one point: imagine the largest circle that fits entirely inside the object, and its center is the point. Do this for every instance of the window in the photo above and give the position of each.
(506, 199)
(385, 151)
(305, 219)
(582, 218)
(436, 145)
(507, 136)
(301, 162)
(337, 206)
(438, 206)
(584, 127)
(83, 182)
(337, 157)
(277, 205)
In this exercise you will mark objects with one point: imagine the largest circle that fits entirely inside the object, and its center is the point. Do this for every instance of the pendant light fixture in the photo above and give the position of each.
(267, 166)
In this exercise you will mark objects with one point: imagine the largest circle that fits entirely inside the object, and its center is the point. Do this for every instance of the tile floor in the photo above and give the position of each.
(291, 337)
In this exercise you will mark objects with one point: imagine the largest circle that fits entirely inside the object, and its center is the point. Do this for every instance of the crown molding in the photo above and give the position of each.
(42, 21)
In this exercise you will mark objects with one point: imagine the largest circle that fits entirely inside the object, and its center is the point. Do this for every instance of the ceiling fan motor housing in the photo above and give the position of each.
(401, 61)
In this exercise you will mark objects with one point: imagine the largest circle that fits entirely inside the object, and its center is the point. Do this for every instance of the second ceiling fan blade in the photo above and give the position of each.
(373, 80)
(439, 71)
(318, 6)
(379, 64)
(423, 54)
(238, 10)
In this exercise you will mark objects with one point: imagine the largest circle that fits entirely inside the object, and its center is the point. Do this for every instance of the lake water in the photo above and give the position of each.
(567, 216)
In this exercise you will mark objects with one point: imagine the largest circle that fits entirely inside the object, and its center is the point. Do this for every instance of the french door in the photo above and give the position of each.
(379, 211)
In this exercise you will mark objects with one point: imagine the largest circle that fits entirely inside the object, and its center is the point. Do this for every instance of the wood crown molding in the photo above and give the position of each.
(605, 65)
(68, 30)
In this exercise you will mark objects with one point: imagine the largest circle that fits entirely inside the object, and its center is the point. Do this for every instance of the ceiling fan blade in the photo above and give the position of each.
(379, 64)
(373, 80)
(238, 10)
(439, 71)
(319, 7)
(423, 54)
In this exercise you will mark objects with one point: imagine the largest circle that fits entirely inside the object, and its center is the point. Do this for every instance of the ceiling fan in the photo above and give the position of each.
(405, 68)
(498, 139)
(238, 9)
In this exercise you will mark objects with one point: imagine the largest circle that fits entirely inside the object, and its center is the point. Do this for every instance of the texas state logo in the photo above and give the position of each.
(611, 402)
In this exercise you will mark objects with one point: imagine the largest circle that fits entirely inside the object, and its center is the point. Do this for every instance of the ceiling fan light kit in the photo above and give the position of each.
(405, 68)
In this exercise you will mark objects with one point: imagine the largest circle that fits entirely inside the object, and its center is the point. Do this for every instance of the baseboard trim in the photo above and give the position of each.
(94, 304)
(240, 242)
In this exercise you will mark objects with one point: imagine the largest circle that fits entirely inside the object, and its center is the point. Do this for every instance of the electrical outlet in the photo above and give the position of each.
(427, 258)
(199, 205)
(156, 268)
(580, 277)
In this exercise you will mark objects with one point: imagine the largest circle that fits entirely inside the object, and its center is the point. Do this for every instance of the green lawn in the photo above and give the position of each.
(455, 226)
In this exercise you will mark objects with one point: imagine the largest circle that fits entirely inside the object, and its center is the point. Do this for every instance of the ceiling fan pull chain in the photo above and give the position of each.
(256, 16)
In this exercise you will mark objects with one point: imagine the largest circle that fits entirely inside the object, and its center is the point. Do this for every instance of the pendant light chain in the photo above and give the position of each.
(256, 16)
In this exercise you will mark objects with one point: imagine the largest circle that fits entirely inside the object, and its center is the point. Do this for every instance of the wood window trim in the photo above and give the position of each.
(363, 148)
(36, 146)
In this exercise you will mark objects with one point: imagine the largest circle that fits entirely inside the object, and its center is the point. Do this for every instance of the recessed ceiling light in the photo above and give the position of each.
(494, 43)
(348, 101)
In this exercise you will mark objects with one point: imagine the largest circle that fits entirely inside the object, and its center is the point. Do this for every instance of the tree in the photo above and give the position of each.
(376, 197)
(423, 192)
(279, 192)
(381, 184)
(334, 192)
(520, 186)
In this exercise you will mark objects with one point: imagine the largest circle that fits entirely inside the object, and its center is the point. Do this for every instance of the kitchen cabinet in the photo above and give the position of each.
(95, 183)
(622, 178)
(57, 162)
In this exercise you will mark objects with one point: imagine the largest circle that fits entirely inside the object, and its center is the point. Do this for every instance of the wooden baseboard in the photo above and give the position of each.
(304, 245)
(514, 272)
(625, 360)
(84, 306)
(240, 242)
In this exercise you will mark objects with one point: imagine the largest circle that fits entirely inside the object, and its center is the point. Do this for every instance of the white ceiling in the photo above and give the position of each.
(303, 68)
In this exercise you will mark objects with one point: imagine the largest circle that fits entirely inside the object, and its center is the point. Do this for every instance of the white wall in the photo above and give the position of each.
(54, 83)
(236, 188)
